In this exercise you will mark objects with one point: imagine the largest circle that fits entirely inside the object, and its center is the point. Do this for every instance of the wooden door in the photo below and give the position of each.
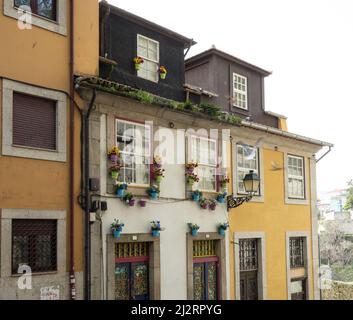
(206, 280)
(298, 289)
(248, 257)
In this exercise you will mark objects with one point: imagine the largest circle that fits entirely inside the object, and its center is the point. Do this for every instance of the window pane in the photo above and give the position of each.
(19, 3)
(207, 177)
(46, 8)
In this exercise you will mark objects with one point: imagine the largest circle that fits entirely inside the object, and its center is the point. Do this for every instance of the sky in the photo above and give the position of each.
(307, 44)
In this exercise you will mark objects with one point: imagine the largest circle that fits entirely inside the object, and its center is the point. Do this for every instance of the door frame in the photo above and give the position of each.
(154, 262)
(220, 253)
(307, 264)
(261, 251)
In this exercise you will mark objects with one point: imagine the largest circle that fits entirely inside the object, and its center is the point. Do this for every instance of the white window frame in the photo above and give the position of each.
(8, 148)
(246, 170)
(59, 26)
(239, 91)
(291, 176)
(139, 36)
(149, 155)
(191, 158)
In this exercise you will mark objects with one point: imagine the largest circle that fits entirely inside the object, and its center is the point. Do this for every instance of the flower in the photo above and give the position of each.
(154, 188)
(156, 225)
(193, 226)
(224, 225)
(114, 150)
(138, 60)
(191, 165)
(116, 225)
(122, 186)
(162, 69)
(115, 168)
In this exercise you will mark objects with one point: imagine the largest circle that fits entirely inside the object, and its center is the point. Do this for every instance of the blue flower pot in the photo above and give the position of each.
(120, 193)
(155, 233)
(221, 199)
(117, 233)
(154, 195)
(222, 232)
(194, 232)
(195, 197)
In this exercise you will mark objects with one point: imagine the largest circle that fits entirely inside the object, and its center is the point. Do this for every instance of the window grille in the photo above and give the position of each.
(204, 248)
(296, 247)
(248, 255)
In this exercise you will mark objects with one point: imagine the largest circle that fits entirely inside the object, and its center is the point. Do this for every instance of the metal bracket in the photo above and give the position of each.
(234, 202)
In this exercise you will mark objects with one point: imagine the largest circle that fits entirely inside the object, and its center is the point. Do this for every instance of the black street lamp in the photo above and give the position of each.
(251, 184)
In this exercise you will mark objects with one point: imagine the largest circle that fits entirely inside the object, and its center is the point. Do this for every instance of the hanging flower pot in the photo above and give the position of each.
(116, 228)
(137, 66)
(142, 203)
(196, 195)
(154, 195)
(163, 75)
(221, 232)
(114, 158)
(194, 232)
(120, 193)
(158, 179)
(114, 175)
(113, 154)
(132, 202)
(221, 198)
(138, 61)
(155, 233)
(162, 72)
(116, 233)
(153, 192)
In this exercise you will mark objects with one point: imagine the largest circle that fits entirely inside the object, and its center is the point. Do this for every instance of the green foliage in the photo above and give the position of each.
(342, 273)
(210, 109)
(349, 201)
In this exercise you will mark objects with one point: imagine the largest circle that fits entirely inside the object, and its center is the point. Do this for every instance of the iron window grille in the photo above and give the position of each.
(296, 247)
(34, 244)
(248, 255)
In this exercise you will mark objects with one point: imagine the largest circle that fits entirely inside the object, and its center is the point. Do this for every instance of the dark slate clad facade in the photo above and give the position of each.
(119, 31)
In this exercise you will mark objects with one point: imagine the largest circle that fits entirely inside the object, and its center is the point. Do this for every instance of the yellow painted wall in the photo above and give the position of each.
(40, 57)
(275, 218)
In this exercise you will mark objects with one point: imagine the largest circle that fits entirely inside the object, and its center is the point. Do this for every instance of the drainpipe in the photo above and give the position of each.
(325, 154)
(71, 160)
(87, 199)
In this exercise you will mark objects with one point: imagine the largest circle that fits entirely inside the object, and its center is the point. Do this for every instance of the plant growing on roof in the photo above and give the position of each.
(162, 72)
(158, 171)
(138, 61)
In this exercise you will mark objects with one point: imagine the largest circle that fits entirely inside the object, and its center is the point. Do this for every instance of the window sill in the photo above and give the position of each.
(296, 201)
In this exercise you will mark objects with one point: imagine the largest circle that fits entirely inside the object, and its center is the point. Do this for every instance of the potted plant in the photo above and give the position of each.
(221, 197)
(114, 171)
(194, 229)
(142, 203)
(212, 204)
(156, 228)
(203, 203)
(158, 171)
(129, 199)
(154, 192)
(162, 72)
(113, 154)
(190, 167)
(117, 228)
(191, 176)
(222, 228)
(138, 61)
(120, 189)
(223, 182)
(196, 195)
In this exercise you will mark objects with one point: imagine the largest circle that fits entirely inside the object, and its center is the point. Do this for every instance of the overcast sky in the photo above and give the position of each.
(307, 44)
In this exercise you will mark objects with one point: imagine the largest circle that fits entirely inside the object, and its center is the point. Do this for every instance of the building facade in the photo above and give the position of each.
(39, 166)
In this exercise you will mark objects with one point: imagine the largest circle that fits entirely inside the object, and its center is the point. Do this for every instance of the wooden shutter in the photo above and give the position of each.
(34, 121)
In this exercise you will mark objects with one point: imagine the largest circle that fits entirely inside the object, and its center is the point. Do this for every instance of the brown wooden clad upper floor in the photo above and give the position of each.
(238, 85)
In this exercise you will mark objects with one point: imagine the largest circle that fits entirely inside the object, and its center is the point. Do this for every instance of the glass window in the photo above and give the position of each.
(296, 248)
(34, 244)
(296, 177)
(247, 159)
(134, 141)
(44, 8)
(148, 49)
(204, 152)
(240, 91)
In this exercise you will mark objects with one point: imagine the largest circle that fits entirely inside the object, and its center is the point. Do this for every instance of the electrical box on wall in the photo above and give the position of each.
(94, 184)
(92, 217)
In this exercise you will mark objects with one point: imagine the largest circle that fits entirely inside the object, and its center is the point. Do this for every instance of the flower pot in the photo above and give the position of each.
(116, 233)
(114, 175)
(194, 232)
(137, 66)
(142, 203)
(190, 182)
(158, 179)
(221, 232)
(114, 158)
(212, 208)
(120, 193)
(155, 233)
(154, 195)
(195, 197)
(132, 202)
(203, 206)
(163, 75)
(221, 199)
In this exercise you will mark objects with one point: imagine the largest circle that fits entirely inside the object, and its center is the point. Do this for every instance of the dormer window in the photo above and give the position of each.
(240, 91)
(148, 49)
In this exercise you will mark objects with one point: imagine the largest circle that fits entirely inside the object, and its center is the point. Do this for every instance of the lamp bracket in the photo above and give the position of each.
(234, 202)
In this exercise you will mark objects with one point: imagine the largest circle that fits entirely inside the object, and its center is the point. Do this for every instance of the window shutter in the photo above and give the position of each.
(34, 121)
